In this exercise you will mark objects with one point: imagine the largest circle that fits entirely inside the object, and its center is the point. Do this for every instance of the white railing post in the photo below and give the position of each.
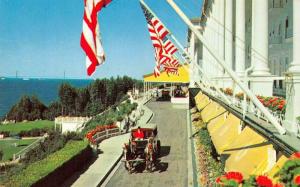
(221, 62)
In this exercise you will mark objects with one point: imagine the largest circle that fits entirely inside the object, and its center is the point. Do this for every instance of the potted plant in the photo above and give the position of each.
(289, 174)
(232, 179)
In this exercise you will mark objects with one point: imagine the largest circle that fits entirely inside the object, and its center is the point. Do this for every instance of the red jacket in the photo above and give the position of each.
(138, 134)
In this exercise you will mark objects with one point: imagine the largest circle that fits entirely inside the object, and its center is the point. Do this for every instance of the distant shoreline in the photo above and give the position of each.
(46, 89)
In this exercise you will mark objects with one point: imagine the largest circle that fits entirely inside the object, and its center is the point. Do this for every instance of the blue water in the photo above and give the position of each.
(11, 90)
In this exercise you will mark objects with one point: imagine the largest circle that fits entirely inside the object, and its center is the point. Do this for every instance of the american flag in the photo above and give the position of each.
(171, 67)
(90, 38)
(164, 48)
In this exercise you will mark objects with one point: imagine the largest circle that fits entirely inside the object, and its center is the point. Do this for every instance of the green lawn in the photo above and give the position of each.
(9, 147)
(26, 126)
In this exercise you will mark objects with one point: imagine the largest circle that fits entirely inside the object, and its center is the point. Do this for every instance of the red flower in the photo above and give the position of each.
(218, 180)
(264, 181)
(297, 180)
(280, 107)
(296, 155)
(278, 185)
(282, 102)
(236, 176)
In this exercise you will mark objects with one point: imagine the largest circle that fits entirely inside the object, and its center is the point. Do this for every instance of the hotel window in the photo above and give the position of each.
(280, 84)
(280, 4)
(279, 29)
(286, 26)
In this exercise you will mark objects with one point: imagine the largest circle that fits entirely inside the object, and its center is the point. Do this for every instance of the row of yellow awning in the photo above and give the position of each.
(182, 77)
(243, 150)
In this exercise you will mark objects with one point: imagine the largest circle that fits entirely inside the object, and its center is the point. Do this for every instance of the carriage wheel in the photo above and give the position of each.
(158, 148)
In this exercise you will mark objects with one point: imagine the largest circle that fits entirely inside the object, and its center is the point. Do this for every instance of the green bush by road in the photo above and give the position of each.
(37, 170)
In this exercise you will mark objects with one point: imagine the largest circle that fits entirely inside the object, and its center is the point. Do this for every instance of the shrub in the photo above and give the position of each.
(120, 118)
(1, 154)
(110, 116)
(73, 136)
(52, 143)
(210, 167)
(5, 133)
(34, 172)
(35, 132)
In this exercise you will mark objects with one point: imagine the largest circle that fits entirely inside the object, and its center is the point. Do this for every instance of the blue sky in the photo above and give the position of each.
(40, 38)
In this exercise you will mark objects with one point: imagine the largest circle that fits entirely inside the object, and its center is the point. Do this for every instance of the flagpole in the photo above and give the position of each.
(180, 46)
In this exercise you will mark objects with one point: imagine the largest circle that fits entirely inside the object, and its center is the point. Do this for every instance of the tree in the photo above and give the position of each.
(28, 108)
(81, 101)
(67, 95)
(53, 110)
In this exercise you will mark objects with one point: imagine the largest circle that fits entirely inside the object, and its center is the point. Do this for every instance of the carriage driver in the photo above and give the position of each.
(139, 134)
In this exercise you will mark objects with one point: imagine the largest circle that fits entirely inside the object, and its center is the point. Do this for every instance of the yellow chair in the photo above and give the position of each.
(208, 111)
(222, 137)
(248, 154)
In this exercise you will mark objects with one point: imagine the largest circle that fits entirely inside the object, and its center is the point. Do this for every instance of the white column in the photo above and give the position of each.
(295, 65)
(210, 40)
(261, 83)
(228, 39)
(205, 63)
(147, 89)
(293, 76)
(221, 28)
(240, 37)
(213, 38)
(221, 36)
(144, 89)
(192, 54)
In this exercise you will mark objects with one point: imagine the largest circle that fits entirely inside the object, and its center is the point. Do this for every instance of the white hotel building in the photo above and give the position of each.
(257, 39)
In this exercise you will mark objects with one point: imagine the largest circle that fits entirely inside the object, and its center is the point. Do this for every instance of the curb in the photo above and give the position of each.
(194, 159)
(110, 170)
(119, 159)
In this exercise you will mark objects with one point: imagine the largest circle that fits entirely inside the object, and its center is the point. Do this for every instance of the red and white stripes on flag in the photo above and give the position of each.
(90, 37)
(170, 47)
(156, 30)
(172, 66)
(164, 48)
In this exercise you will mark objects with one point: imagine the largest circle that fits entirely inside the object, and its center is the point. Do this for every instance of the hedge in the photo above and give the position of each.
(37, 172)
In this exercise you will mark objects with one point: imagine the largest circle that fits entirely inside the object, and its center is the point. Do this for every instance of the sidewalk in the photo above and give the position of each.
(111, 151)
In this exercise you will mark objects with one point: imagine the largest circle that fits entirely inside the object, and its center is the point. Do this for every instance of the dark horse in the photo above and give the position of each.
(150, 155)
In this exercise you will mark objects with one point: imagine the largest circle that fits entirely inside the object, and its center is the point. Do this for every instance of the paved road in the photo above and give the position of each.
(172, 170)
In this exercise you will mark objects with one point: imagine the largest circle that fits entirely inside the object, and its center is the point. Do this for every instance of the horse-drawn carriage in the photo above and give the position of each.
(142, 150)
